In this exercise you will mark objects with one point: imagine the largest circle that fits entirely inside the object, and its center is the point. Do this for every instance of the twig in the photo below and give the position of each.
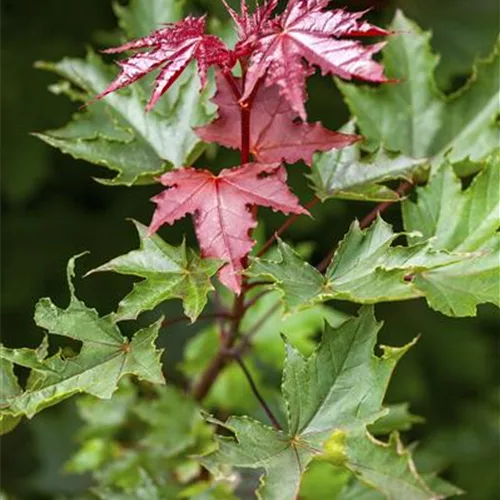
(255, 328)
(269, 243)
(209, 376)
(402, 190)
(252, 302)
(232, 84)
(235, 355)
(258, 283)
(181, 319)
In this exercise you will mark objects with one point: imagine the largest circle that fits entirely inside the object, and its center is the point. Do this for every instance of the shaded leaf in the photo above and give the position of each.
(168, 272)
(457, 52)
(220, 206)
(413, 117)
(117, 134)
(9, 388)
(139, 18)
(174, 420)
(344, 174)
(398, 418)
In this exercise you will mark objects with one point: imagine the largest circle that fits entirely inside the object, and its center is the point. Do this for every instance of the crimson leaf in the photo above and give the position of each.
(220, 206)
(307, 31)
(174, 47)
(274, 133)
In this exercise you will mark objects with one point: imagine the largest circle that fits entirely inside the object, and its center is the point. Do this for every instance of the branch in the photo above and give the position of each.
(256, 392)
(209, 376)
(402, 190)
(269, 243)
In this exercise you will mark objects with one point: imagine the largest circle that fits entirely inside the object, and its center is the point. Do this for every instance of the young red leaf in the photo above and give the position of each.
(307, 32)
(172, 47)
(250, 26)
(220, 206)
(275, 135)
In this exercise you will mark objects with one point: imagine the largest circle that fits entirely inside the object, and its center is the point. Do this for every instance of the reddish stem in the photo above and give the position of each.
(245, 133)
(402, 190)
(256, 392)
(232, 84)
(269, 243)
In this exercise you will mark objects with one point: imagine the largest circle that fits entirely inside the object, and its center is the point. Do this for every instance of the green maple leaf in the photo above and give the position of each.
(104, 358)
(174, 419)
(330, 398)
(460, 221)
(459, 33)
(168, 272)
(366, 268)
(343, 173)
(117, 133)
(413, 117)
(9, 388)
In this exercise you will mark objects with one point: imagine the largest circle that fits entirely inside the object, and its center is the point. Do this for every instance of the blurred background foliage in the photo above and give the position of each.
(52, 209)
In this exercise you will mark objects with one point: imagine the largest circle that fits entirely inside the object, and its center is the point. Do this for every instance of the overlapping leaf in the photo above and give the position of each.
(168, 272)
(168, 430)
(275, 135)
(171, 48)
(413, 117)
(250, 25)
(453, 235)
(117, 134)
(330, 398)
(366, 269)
(306, 30)
(105, 357)
(460, 221)
(221, 209)
(345, 174)
(9, 388)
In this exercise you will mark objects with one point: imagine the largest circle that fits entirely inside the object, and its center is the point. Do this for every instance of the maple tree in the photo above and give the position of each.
(330, 409)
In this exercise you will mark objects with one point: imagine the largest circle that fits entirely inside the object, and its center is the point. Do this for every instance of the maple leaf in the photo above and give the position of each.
(174, 47)
(274, 133)
(249, 26)
(220, 206)
(307, 31)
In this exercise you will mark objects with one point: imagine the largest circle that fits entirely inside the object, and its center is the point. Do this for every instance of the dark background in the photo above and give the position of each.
(52, 209)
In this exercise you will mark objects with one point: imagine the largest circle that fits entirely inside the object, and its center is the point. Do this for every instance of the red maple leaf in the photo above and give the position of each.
(172, 47)
(221, 205)
(250, 26)
(275, 134)
(307, 34)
